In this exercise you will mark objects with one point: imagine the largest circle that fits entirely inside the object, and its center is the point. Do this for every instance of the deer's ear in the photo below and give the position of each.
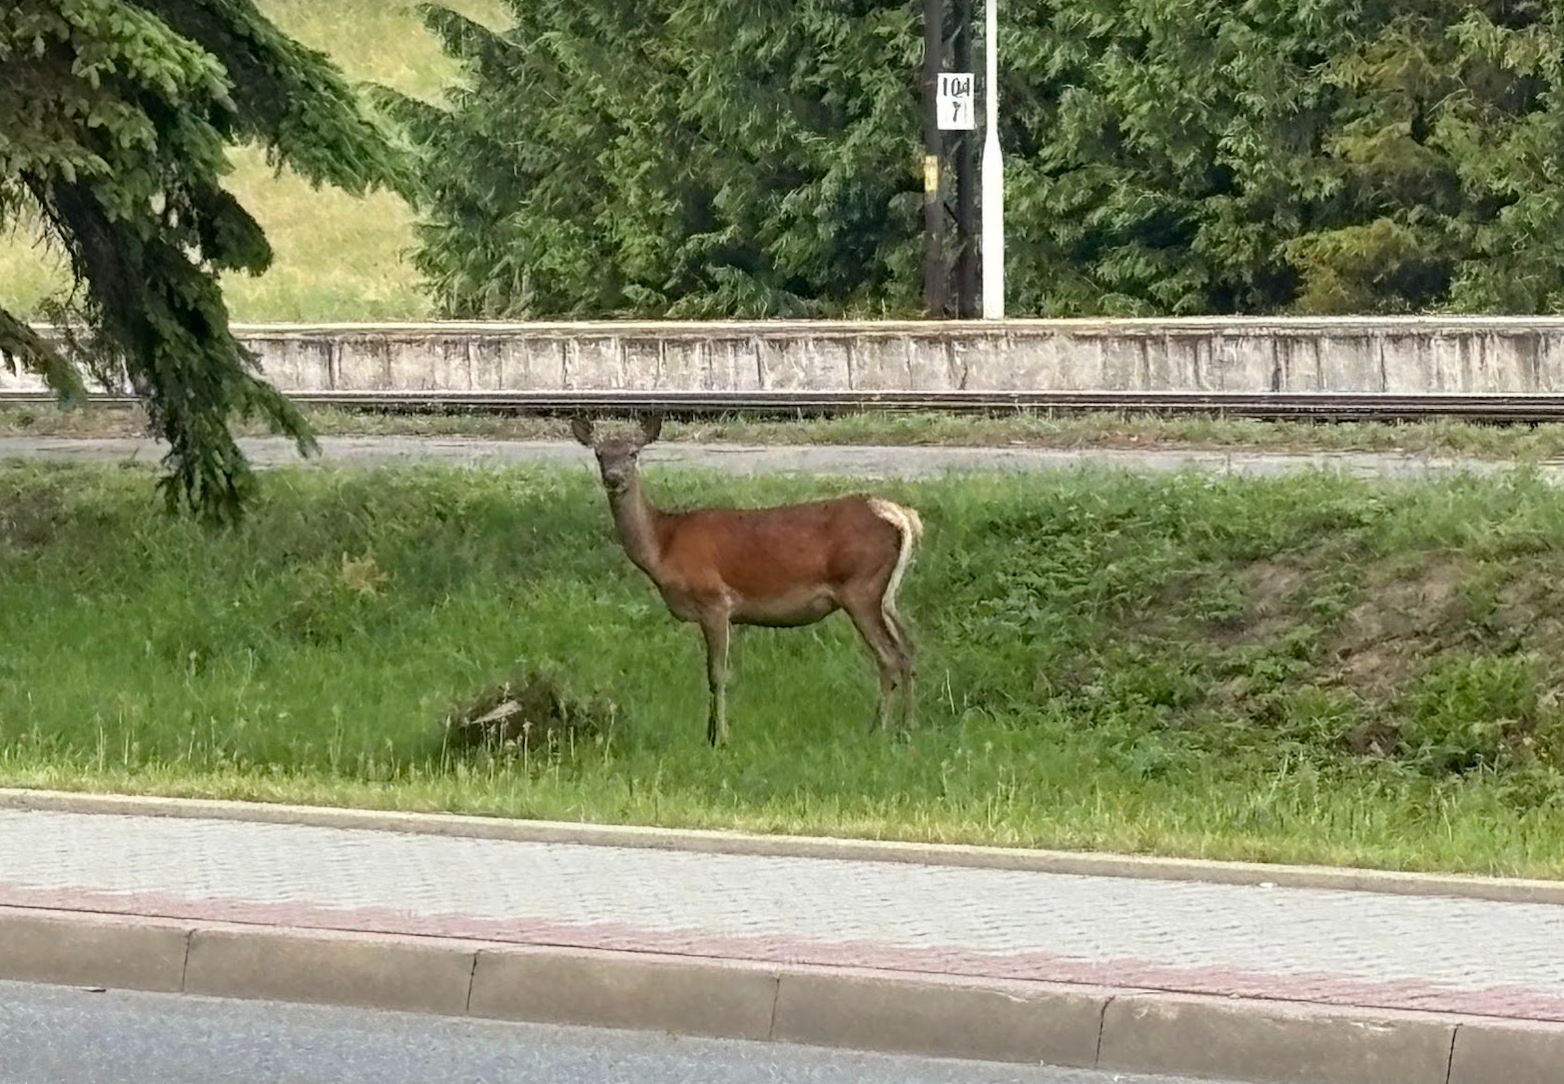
(581, 429)
(651, 428)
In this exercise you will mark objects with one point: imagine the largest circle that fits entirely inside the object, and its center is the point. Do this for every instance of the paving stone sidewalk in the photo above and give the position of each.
(1319, 946)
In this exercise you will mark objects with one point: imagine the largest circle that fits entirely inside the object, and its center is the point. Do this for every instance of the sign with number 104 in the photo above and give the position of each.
(955, 102)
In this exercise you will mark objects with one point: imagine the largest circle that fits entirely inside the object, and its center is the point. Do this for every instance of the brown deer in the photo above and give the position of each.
(780, 567)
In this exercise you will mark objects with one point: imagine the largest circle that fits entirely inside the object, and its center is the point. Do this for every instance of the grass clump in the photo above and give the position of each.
(536, 708)
(1308, 668)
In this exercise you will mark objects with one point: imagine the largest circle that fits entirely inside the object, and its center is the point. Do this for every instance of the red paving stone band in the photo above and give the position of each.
(1502, 890)
(1251, 1039)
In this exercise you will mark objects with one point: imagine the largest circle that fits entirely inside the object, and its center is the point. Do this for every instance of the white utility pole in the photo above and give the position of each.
(993, 180)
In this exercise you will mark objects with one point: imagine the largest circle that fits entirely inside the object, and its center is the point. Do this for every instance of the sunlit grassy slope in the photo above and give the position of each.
(338, 257)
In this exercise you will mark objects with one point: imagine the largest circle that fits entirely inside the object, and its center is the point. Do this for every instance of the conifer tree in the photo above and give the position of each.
(115, 117)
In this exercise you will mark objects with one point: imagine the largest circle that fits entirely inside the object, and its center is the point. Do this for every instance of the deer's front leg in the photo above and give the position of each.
(715, 629)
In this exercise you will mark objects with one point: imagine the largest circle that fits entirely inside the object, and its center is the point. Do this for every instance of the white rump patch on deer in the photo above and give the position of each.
(910, 526)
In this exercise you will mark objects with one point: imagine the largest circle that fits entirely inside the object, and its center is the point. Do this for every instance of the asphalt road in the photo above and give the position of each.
(749, 459)
(57, 1035)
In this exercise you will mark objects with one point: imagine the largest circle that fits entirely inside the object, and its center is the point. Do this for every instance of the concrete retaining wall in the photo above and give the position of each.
(1405, 356)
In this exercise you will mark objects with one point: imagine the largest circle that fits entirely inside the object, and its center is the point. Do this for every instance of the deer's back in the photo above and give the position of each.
(758, 552)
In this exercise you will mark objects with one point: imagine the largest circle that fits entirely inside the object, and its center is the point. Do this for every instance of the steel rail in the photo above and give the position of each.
(1323, 406)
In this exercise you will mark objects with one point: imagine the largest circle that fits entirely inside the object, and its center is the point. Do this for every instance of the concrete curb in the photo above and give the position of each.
(1262, 1042)
(1502, 890)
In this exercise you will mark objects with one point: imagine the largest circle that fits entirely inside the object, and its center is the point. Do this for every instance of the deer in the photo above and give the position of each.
(779, 567)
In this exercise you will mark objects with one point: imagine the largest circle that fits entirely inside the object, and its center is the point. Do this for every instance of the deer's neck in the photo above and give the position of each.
(636, 522)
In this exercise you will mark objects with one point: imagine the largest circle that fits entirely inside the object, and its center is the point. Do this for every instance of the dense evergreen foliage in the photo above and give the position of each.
(750, 157)
(675, 158)
(115, 116)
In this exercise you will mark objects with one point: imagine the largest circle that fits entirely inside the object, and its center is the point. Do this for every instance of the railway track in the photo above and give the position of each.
(1320, 406)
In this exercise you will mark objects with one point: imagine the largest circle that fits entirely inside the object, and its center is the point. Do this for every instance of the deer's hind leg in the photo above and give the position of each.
(907, 652)
(886, 642)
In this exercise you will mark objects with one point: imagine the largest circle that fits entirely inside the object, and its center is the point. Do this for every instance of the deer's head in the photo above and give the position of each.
(617, 456)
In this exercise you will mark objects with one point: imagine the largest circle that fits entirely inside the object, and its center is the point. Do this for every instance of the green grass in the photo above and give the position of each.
(1307, 669)
(1438, 437)
(338, 257)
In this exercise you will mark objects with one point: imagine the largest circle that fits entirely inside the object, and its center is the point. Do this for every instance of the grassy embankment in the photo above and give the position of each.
(1307, 669)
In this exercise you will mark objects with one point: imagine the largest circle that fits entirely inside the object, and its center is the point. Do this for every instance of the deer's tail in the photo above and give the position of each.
(909, 525)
